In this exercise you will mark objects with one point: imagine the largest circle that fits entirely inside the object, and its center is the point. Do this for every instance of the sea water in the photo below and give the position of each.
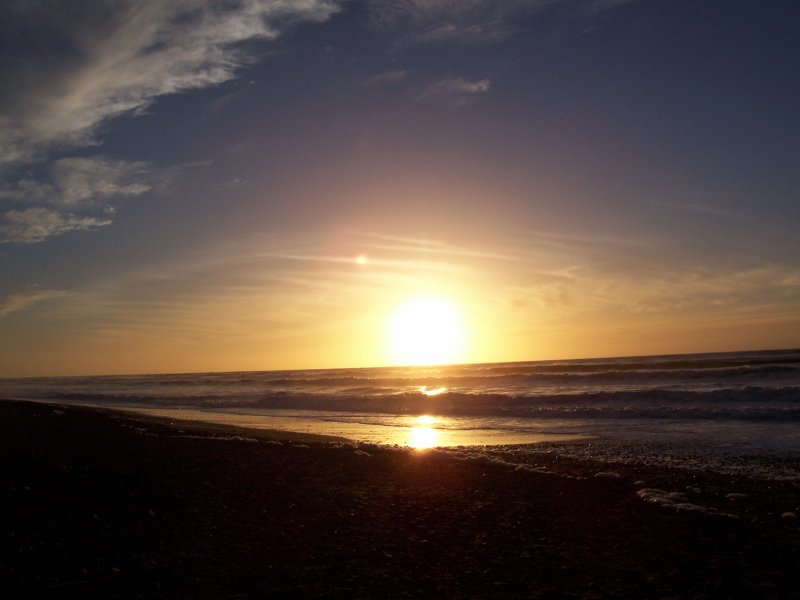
(741, 403)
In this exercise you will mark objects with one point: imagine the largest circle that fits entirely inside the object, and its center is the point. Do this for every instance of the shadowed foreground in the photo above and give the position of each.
(100, 505)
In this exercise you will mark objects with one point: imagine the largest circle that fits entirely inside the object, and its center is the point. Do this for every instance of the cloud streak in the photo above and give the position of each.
(703, 209)
(387, 78)
(102, 61)
(81, 182)
(668, 293)
(118, 58)
(454, 89)
(37, 224)
(477, 21)
(429, 247)
(22, 300)
(76, 194)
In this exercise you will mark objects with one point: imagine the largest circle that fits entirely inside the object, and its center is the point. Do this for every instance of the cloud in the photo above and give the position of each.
(421, 22)
(76, 66)
(769, 288)
(704, 209)
(406, 245)
(387, 78)
(478, 21)
(37, 224)
(237, 182)
(425, 12)
(72, 182)
(21, 300)
(574, 241)
(449, 32)
(83, 180)
(385, 263)
(73, 194)
(103, 60)
(454, 89)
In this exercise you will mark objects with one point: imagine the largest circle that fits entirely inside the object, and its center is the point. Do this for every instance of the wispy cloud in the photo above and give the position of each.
(665, 292)
(73, 182)
(569, 241)
(37, 224)
(104, 60)
(374, 262)
(74, 194)
(429, 247)
(424, 14)
(698, 208)
(450, 32)
(233, 295)
(477, 21)
(237, 182)
(387, 78)
(22, 300)
(114, 59)
(454, 89)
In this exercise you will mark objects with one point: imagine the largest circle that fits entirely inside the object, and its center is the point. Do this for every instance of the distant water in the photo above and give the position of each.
(742, 401)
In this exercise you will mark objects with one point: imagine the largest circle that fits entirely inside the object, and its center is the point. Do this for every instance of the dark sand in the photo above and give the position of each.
(97, 504)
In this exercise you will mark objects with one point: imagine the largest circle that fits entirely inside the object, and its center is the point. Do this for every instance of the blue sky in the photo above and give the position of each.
(188, 186)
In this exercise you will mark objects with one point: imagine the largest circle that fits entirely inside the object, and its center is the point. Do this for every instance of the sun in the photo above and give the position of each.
(426, 330)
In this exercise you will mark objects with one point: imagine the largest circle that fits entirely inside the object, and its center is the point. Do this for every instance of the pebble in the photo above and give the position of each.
(662, 497)
(788, 515)
(606, 475)
(737, 496)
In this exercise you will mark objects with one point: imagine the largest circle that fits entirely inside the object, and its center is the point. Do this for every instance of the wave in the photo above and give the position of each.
(782, 365)
(751, 403)
(518, 379)
(749, 386)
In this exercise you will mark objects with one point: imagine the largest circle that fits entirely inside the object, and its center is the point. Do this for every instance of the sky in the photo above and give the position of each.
(261, 184)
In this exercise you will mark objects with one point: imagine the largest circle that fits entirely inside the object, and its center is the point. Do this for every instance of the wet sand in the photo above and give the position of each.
(97, 504)
(416, 431)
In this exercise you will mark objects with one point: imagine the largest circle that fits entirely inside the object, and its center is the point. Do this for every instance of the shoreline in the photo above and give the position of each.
(411, 435)
(266, 433)
(101, 504)
(747, 463)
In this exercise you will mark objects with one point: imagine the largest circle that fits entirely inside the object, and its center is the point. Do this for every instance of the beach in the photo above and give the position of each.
(97, 503)
(400, 299)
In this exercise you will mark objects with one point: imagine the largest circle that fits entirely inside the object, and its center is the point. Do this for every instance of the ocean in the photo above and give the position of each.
(682, 407)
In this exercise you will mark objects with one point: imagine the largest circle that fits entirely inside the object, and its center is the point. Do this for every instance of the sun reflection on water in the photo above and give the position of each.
(423, 436)
(432, 392)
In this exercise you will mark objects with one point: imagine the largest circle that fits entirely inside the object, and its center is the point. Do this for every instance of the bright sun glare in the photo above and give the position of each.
(426, 330)
(423, 435)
